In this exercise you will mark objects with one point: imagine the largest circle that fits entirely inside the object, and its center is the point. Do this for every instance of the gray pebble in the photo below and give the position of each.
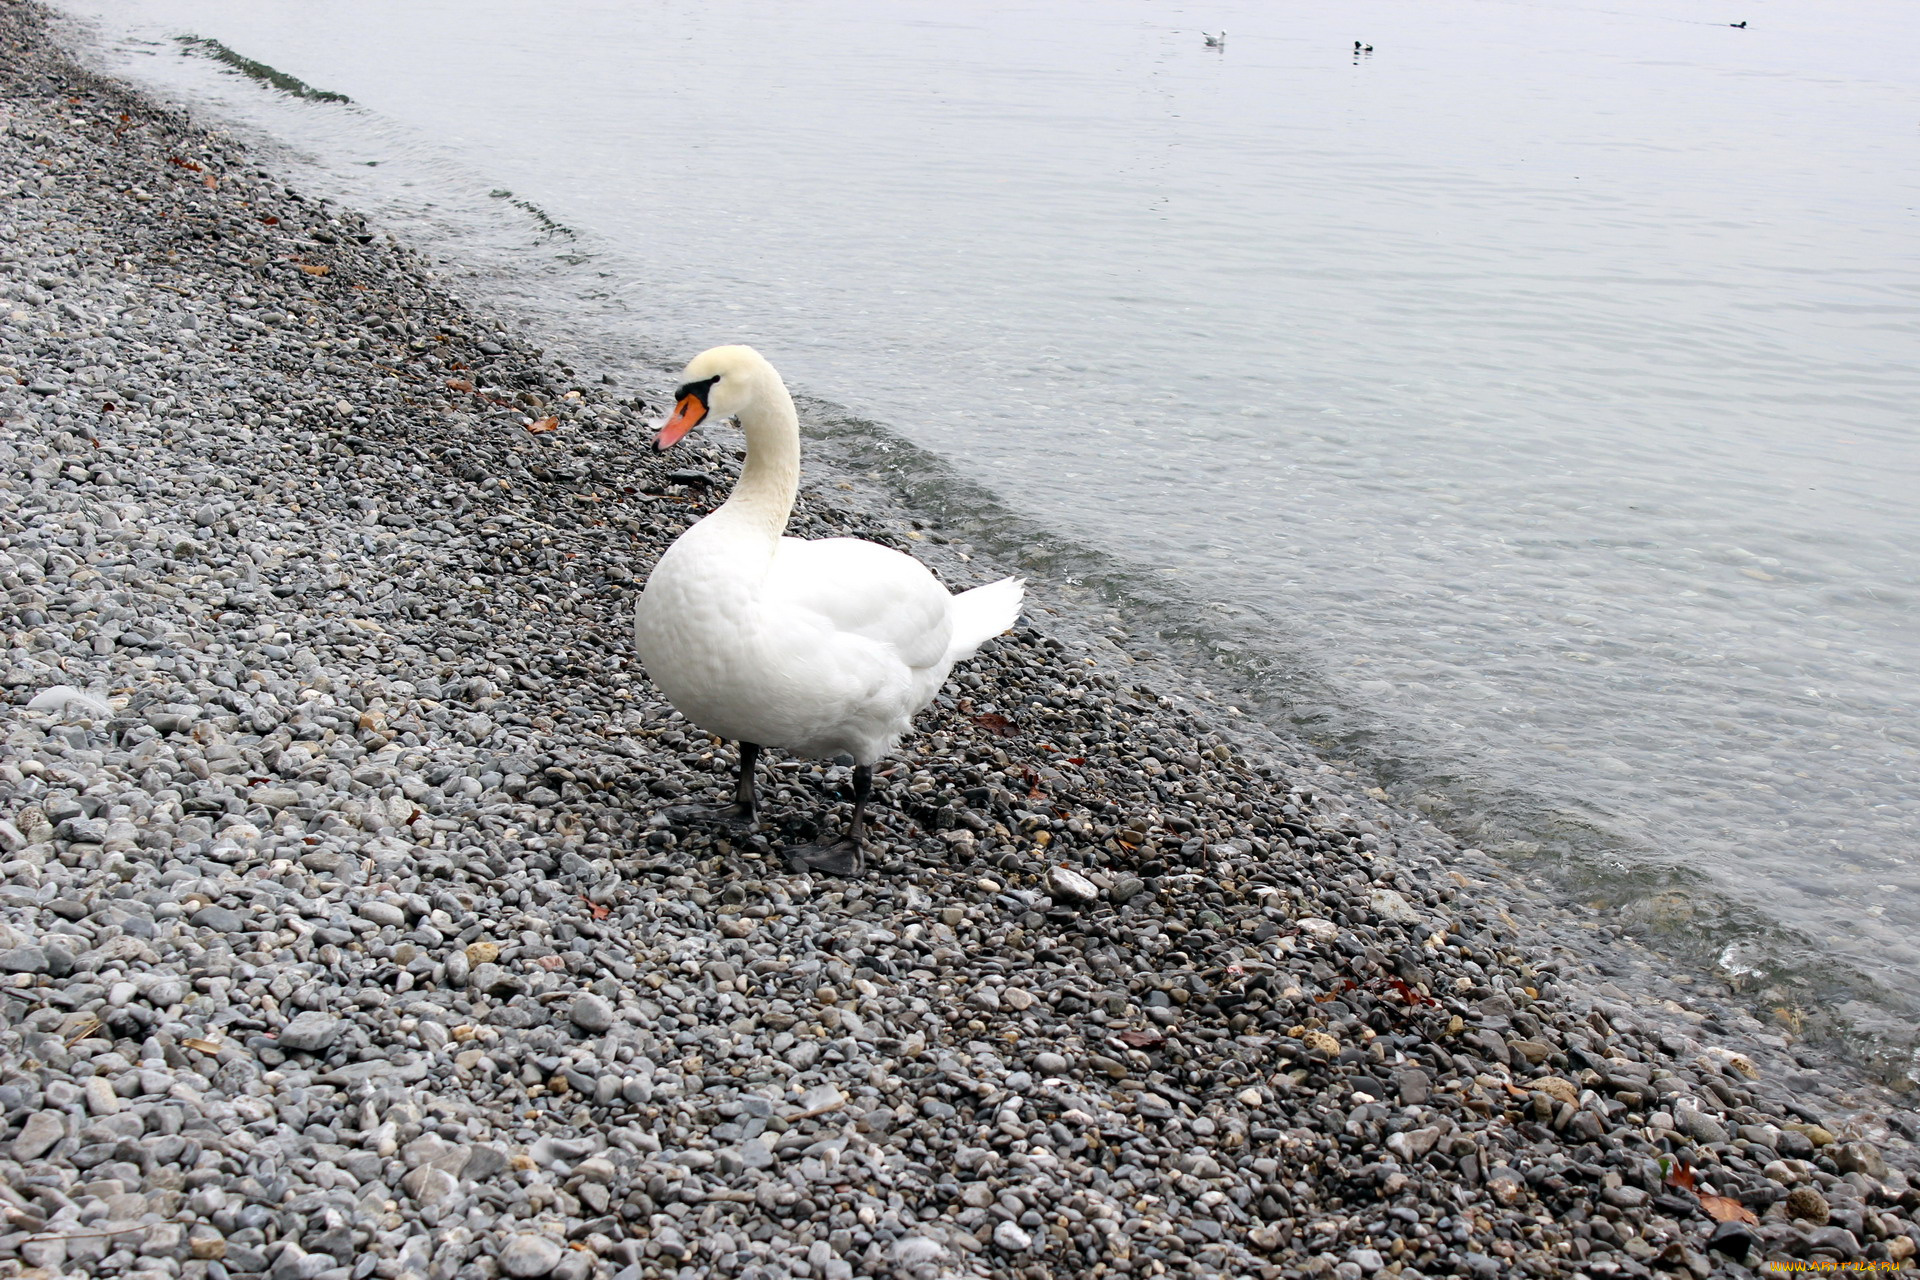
(310, 1032)
(1069, 886)
(529, 1255)
(430, 1185)
(219, 919)
(24, 960)
(41, 1131)
(1700, 1126)
(591, 1014)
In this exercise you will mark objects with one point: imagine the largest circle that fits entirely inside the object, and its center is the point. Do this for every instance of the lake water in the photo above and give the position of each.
(1524, 408)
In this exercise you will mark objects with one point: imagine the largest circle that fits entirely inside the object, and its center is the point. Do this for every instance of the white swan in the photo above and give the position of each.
(820, 648)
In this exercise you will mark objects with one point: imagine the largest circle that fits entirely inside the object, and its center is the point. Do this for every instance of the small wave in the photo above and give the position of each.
(254, 70)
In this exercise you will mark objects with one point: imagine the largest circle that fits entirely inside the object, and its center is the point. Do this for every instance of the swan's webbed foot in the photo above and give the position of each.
(730, 815)
(741, 813)
(844, 858)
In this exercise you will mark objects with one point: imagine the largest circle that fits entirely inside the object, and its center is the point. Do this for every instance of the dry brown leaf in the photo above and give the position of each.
(459, 384)
(997, 725)
(1722, 1209)
(544, 424)
(208, 1047)
(312, 270)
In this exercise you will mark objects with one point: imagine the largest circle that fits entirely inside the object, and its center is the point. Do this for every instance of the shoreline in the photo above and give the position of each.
(398, 846)
(538, 275)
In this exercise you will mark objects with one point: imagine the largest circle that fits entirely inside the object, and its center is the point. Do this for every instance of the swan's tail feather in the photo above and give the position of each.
(983, 613)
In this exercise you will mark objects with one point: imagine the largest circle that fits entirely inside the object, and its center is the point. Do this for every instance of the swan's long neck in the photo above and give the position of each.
(763, 499)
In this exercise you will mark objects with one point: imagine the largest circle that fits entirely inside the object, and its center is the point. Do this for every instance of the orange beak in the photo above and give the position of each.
(688, 412)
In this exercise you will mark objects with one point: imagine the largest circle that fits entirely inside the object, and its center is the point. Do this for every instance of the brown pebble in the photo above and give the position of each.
(1805, 1202)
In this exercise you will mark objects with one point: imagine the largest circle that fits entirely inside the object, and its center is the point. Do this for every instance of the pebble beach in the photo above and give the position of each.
(344, 932)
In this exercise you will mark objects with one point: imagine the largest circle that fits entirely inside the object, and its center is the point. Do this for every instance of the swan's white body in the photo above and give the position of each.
(816, 647)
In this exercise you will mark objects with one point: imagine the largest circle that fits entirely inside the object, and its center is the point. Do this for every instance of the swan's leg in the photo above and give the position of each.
(845, 856)
(862, 788)
(745, 807)
(745, 799)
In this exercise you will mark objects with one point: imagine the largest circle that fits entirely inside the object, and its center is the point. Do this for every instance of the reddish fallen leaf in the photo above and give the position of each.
(1722, 1209)
(1681, 1176)
(1032, 779)
(544, 424)
(459, 384)
(184, 163)
(996, 724)
(312, 270)
(599, 912)
(1076, 759)
(551, 962)
(1409, 994)
(270, 221)
(1141, 1039)
(213, 183)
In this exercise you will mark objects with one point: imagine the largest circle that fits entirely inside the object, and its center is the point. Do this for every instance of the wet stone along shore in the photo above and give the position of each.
(341, 933)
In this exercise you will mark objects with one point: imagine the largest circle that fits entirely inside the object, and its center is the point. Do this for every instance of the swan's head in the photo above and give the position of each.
(717, 383)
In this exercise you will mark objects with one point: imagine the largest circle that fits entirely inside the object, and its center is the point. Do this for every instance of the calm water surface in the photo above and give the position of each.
(1537, 390)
